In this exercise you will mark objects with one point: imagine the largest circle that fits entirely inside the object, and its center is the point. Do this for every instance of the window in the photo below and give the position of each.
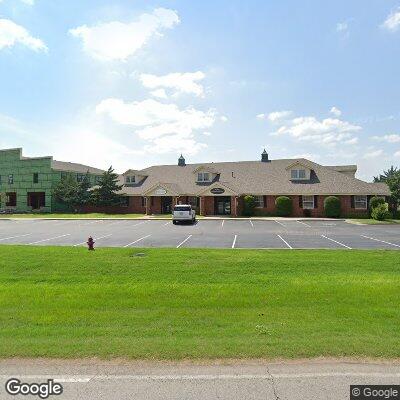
(360, 202)
(80, 177)
(97, 178)
(35, 177)
(10, 179)
(298, 174)
(259, 201)
(124, 201)
(130, 179)
(192, 200)
(203, 177)
(144, 200)
(64, 175)
(308, 202)
(11, 199)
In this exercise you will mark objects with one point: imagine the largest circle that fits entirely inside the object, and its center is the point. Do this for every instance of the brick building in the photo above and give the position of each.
(219, 188)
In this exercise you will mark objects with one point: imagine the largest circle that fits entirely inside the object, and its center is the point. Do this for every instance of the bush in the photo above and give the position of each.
(283, 206)
(380, 212)
(332, 207)
(374, 202)
(249, 206)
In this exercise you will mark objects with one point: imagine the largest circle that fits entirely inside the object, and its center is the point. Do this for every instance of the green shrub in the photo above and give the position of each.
(249, 206)
(332, 207)
(380, 212)
(283, 206)
(374, 202)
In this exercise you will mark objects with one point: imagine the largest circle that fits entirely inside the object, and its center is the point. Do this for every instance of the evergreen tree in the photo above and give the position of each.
(83, 194)
(106, 192)
(386, 174)
(66, 191)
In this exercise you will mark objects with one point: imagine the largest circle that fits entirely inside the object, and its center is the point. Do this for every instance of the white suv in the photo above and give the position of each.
(183, 212)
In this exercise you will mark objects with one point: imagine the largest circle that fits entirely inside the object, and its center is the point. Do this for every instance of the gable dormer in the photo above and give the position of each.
(299, 171)
(205, 174)
(133, 177)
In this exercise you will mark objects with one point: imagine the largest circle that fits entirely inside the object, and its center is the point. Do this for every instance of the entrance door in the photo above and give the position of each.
(166, 205)
(36, 200)
(222, 205)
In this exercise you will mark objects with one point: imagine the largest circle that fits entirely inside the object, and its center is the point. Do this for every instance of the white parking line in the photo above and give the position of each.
(382, 241)
(251, 223)
(97, 238)
(280, 223)
(234, 242)
(301, 222)
(222, 225)
(167, 223)
(14, 237)
(332, 240)
(52, 238)
(180, 244)
(284, 241)
(136, 241)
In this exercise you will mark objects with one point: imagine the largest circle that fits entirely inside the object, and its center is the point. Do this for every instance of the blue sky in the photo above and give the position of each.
(135, 83)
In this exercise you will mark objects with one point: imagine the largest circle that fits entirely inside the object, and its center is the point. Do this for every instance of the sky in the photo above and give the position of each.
(133, 83)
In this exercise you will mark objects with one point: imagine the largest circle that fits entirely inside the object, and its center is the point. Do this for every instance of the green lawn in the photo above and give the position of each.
(370, 221)
(175, 304)
(71, 215)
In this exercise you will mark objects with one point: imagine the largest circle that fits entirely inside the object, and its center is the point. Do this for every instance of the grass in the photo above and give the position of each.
(186, 303)
(370, 221)
(71, 215)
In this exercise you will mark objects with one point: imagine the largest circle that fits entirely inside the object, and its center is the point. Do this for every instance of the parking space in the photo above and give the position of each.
(221, 233)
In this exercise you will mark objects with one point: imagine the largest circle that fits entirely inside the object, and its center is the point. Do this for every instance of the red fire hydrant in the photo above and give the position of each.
(90, 242)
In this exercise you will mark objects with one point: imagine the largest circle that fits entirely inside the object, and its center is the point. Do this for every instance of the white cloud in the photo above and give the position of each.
(394, 138)
(328, 131)
(373, 154)
(29, 2)
(260, 116)
(335, 111)
(397, 154)
(117, 40)
(186, 82)
(277, 116)
(206, 133)
(223, 118)
(12, 34)
(160, 93)
(342, 26)
(165, 126)
(392, 22)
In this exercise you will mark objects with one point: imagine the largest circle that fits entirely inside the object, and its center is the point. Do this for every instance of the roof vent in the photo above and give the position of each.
(181, 161)
(264, 156)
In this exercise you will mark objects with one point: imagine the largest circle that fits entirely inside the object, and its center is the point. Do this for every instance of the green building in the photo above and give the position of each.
(26, 183)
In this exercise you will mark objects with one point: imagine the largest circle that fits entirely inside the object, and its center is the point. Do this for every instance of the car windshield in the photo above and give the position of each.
(182, 208)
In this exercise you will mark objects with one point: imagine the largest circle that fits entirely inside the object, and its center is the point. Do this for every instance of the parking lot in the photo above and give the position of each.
(232, 234)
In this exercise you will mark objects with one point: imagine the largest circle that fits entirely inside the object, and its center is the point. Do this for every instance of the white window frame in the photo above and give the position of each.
(362, 202)
(295, 174)
(307, 203)
(258, 201)
(130, 179)
(201, 177)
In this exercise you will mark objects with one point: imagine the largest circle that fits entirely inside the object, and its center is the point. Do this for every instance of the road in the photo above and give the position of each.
(231, 234)
(140, 380)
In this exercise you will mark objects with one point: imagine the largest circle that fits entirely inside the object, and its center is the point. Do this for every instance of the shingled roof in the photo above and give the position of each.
(257, 178)
(73, 167)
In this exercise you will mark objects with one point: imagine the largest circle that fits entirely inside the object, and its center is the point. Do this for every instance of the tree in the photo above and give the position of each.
(83, 194)
(106, 192)
(249, 205)
(283, 206)
(332, 207)
(66, 191)
(392, 178)
(386, 174)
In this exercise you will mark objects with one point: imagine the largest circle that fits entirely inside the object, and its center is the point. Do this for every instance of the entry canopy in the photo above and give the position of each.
(163, 189)
(218, 189)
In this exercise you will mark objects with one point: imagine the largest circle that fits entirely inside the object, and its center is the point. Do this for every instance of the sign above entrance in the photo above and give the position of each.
(217, 190)
(160, 192)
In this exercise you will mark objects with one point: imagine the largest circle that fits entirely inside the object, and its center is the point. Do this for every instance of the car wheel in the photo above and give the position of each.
(174, 222)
